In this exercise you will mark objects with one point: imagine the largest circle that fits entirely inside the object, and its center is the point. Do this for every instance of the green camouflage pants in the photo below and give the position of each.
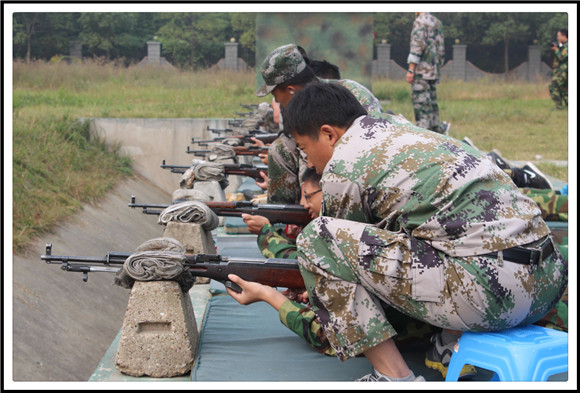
(349, 266)
(559, 91)
(424, 96)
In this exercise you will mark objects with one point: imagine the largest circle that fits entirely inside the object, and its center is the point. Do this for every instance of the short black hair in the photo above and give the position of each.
(318, 104)
(564, 32)
(310, 176)
(324, 69)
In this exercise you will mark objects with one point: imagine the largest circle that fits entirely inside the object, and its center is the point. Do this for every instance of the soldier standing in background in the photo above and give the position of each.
(426, 57)
(559, 86)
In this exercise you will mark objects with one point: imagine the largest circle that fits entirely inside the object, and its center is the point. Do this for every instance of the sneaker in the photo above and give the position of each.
(374, 377)
(439, 355)
(534, 178)
(445, 127)
(469, 142)
(414, 331)
(499, 160)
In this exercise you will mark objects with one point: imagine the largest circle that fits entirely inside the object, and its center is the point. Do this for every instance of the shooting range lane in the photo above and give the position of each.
(62, 325)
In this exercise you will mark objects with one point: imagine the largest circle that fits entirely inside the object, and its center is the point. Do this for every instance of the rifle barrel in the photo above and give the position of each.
(275, 272)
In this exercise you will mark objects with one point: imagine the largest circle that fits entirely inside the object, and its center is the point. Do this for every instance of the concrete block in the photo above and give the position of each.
(211, 188)
(194, 238)
(159, 337)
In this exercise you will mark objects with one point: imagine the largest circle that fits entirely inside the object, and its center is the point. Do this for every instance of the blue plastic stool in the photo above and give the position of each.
(527, 353)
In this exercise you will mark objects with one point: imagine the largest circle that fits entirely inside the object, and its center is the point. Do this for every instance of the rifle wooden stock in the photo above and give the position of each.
(268, 271)
(285, 214)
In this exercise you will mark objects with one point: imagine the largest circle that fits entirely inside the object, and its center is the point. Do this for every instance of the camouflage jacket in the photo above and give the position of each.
(285, 163)
(274, 243)
(295, 316)
(554, 206)
(285, 167)
(427, 48)
(388, 172)
(560, 64)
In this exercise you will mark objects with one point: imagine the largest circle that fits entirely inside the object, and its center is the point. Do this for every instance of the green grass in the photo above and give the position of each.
(515, 118)
(57, 167)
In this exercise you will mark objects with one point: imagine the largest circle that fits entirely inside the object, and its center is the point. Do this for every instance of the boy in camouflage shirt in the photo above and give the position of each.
(419, 221)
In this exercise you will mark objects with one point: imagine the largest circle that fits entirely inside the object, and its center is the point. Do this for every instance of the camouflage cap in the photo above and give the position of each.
(282, 64)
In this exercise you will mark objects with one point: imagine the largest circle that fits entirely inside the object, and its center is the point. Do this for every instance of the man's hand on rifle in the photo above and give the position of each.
(253, 292)
(263, 156)
(263, 184)
(254, 223)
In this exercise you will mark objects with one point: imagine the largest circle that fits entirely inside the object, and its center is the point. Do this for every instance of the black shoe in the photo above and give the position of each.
(499, 160)
(534, 178)
(439, 355)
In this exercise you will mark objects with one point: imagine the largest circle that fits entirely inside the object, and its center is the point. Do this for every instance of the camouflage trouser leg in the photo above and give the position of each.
(424, 96)
(348, 266)
(559, 91)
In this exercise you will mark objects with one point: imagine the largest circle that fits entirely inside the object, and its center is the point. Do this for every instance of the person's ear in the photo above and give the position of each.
(291, 90)
(329, 133)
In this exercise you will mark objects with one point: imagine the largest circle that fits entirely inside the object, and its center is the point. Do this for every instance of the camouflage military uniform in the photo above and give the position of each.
(559, 85)
(274, 243)
(554, 206)
(285, 163)
(427, 52)
(409, 218)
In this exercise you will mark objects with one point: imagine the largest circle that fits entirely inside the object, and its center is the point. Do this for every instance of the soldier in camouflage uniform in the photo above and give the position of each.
(426, 57)
(285, 72)
(559, 86)
(419, 221)
(281, 242)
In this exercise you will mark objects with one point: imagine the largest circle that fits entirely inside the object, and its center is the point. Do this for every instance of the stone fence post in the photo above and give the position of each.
(153, 52)
(383, 60)
(459, 62)
(534, 62)
(231, 56)
(75, 50)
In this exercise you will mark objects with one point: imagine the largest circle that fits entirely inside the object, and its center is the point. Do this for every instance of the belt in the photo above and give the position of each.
(526, 256)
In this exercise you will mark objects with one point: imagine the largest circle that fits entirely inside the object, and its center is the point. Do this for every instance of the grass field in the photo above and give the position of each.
(56, 167)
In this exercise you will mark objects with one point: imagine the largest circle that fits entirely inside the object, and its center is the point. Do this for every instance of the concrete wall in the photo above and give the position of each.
(150, 141)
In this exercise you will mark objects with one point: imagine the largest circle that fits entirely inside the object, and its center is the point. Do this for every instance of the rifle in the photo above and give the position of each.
(269, 271)
(285, 214)
(239, 150)
(266, 138)
(226, 130)
(230, 169)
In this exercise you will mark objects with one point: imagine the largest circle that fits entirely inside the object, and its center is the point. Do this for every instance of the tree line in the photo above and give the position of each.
(196, 40)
